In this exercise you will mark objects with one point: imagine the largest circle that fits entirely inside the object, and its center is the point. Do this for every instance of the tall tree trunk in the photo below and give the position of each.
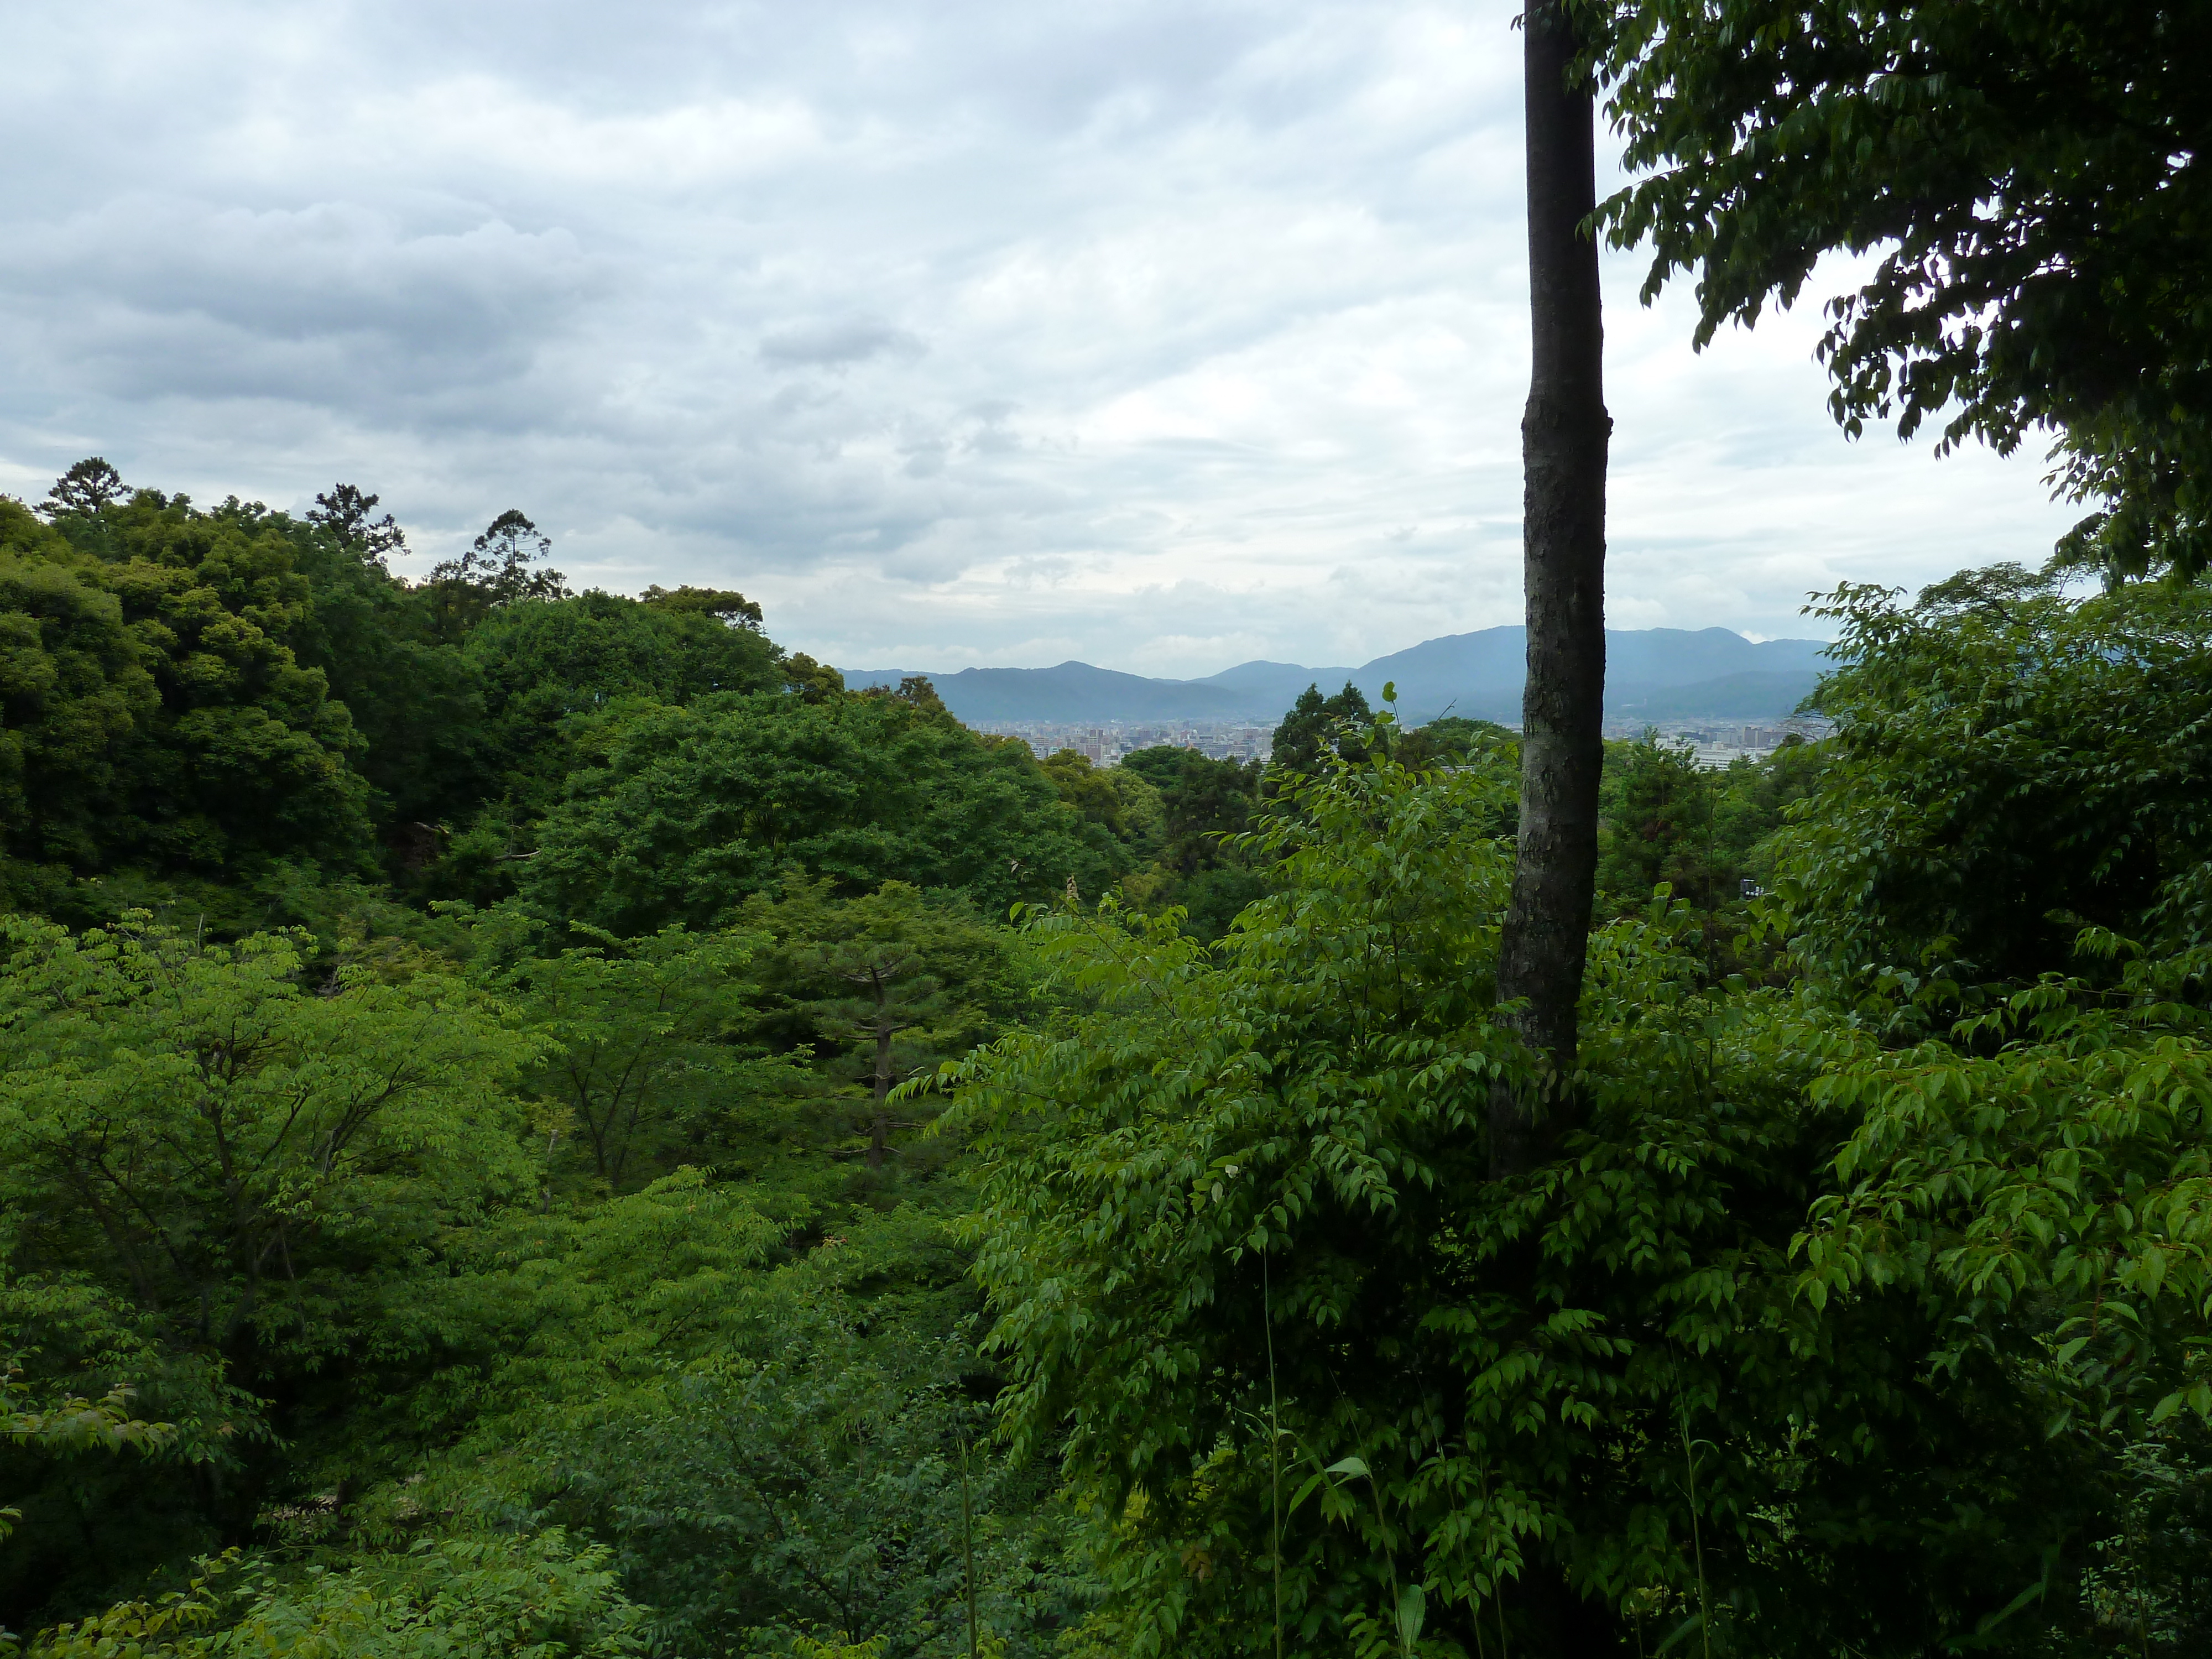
(1563, 436)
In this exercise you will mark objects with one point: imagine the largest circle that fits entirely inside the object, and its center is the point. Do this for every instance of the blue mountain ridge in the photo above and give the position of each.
(1660, 672)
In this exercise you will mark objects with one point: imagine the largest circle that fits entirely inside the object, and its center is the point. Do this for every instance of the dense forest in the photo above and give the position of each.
(538, 1123)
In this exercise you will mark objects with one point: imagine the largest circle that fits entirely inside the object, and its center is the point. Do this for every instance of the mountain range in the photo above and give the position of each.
(1653, 673)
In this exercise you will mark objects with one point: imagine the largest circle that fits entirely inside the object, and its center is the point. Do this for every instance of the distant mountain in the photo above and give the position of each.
(1275, 685)
(1760, 695)
(1479, 674)
(1661, 673)
(1075, 694)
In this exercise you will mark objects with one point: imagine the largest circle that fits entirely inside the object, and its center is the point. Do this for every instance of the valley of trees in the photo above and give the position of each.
(539, 1124)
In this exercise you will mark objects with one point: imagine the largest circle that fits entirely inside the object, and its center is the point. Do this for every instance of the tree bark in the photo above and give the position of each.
(1564, 437)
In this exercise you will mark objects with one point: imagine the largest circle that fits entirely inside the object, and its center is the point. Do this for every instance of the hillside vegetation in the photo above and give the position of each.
(538, 1123)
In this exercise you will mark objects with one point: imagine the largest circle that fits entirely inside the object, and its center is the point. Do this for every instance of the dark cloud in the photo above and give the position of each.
(835, 344)
(332, 305)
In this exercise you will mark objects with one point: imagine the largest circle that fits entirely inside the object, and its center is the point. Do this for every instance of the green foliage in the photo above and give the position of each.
(194, 1124)
(814, 681)
(1453, 740)
(2008, 762)
(1239, 1230)
(197, 699)
(1703, 834)
(1203, 803)
(1092, 792)
(693, 810)
(725, 605)
(165, 719)
(69, 1425)
(539, 665)
(2027, 184)
(1198, 866)
(1655, 825)
(75, 690)
(165, 1627)
(539, 1597)
(493, 574)
(74, 1423)
(2051, 1157)
(640, 1059)
(1316, 726)
(213, 1166)
(88, 487)
(540, 1310)
(585, 1268)
(802, 1485)
(883, 985)
(417, 705)
(767, 1442)
(88, 1376)
(338, 1227)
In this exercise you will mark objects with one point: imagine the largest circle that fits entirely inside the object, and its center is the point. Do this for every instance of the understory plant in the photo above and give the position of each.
(1237, 1211)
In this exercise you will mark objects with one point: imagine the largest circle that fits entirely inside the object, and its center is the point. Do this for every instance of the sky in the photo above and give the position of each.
(1161, 336)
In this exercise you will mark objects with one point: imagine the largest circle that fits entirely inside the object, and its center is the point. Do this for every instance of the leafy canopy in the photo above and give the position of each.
(2029, 188)
(694, 809)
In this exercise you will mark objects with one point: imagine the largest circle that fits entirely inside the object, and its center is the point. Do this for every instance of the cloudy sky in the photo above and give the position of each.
(1160, 334)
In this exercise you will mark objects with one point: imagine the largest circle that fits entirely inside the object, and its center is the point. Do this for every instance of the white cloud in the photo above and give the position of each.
(1159, 335)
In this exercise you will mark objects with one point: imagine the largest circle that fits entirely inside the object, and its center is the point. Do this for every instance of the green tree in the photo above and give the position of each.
(1656, 825)
(692, 809)
(80, 500)
(766, 1434)
(504, 1597)
(815, 681)
(49, 1425)
(1753, 807)
(1316, 725)
(543, 664)
(73, 691)
(237, 1148)
(2028, 186)
(1452, 740)
(894, 979)
(494, 572)
(343, 515)
(241, 757)
(86, 1375)
(418, 705)
(1203, 805)
(2008, 762)
(643, 1029)
(87, 489)
(725, 605)
(1089, 789)
(1247, 1254)
(1566, 434)
(1200, 866)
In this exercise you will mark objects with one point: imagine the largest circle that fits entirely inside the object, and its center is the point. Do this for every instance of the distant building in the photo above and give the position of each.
(1105, 745)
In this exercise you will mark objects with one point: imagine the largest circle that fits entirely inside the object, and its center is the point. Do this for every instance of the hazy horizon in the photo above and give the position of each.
(1280, 662)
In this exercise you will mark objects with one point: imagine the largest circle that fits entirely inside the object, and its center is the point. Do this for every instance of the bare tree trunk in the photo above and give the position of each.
(1563, 436)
